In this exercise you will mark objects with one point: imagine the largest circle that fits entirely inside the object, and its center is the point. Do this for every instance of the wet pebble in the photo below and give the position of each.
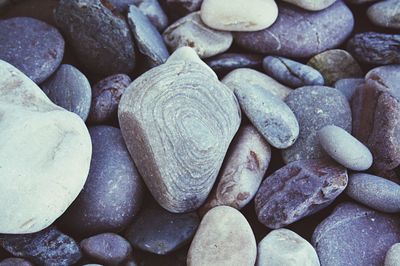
(385, 14)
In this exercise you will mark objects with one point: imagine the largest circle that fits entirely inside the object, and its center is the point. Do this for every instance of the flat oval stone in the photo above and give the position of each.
(224, 238)
(224, 63)
(100, 38)
(32, 46)
(158, 231)
(243, 170)
(393, 256)
(375, 192)
(285, 247)
(178, 131)
(315, 107)
(300, 33)
(312, 5)
(371, 234)
(113, 192)
(15, 262)
(239, 15)
(385, 14)
(154, 12)
(297, 190)
(39, 144)
(48, 247)
(348, 86)
(291, 73)
(191, 31)
(70, 89)
(345, 148)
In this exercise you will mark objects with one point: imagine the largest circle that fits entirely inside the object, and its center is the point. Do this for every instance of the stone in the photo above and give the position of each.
(178, 131)
(121, 5)
(180, 8)
(15, 262)
(349, 86)
(158, 231)
(106, 95)
(300, 33)
(312, 5)
(149, 41)
(224, 238)
(393, 256)
(224, 63)
(191, 31)
(360, 2)
(49, 247)
(32, 46)
(39, 142)
(154, 12)
(70, 89)
(250, 78)
(285, 247)
(336, 64)
(297, 190)
(113, 192)
(291, 73)
(100, 37)
(239, 15)
(243, 170)
(375, 48)
(315, 107)
(375, 192)
(369, 233)
(345, 148)
(385, 14)
(107, 248)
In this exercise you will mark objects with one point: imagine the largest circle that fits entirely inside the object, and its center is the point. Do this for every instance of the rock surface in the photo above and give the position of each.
(312, 5)
(224, 63)
(385, 14)
(348, 86)
(15, 262)
(154, 12)
(393, 256)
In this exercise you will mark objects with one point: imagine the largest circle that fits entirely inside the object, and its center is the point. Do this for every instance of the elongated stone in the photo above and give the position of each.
(224, 63)
(154, 12)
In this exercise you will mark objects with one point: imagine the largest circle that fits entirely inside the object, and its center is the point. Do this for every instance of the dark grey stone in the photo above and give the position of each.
(154, 12)
(180, 8)
(348, 86)
(227, 62)
(121, 5)
(15, 262)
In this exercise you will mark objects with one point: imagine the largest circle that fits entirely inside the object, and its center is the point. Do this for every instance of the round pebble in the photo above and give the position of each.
(312, 5)
(385, 14)
(349, 86)
(393, 256)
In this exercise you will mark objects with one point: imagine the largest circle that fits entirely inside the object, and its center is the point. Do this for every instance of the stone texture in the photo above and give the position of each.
(15, 262)
(348, 86)
(224, 63)
(178, 131)
(297, 190)
(224, 238)
(121, 5)
(312, 5)
(154, 12)
(385, 14)
(393, 256)
(180, 8)
(40, 142)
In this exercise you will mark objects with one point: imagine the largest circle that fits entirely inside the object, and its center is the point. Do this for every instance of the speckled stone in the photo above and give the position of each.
(32, 46)
(393, 256)
(385, 14)
(154, 12)
(348, 86)
(224, 63)
(355, 235)
(15, 262)
(312, 5)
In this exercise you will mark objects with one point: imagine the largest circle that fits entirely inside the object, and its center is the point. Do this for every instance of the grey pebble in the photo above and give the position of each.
(393, 256)
(348, 86)
(385, 14)
(154, 12)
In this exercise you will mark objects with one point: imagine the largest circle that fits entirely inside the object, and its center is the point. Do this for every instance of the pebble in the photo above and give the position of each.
(199, 117)
(335, 65)
(291, 73)
(244, 168)
(149, 41)
(375, 192)
(154, 12)
(106, 95)
(349, 86)
(385, 14)
(393, 256)
(113, 192)
(70, 89)
(300, 33)
(121, 5)
(375, 48)
(345, 148)
(297, 190)
(360, 2)
(158, 231)
(239, 15)
(224, 238)
(224, 63)
(49, 247)
(191, 31)
(100, 38)
(107, 248)
(315, 107)
(39, 143)
(32, 46)
(15, 262)
(180, 8)
(312, 5)
(285, 247)
(355, 235)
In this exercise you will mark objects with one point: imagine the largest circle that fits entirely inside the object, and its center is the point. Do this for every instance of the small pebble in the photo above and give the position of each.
(393, 256)
(154, 12)
(348, 86)
(312, 5)
(15, 262)
(224, 63)
(385, 14)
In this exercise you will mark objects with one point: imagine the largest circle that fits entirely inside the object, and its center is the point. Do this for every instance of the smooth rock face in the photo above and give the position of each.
(32, 46)
(348, 86)
(158, 231)
(113, 192)
(191, 31)
(224, 63)
(297, 190)
(393, 256)
(154, 12)
(352, 225)
(315, 107)
(39, 142)
(301, 33)
(312, 5)
(15, 262)
(385, 14)
(178, 131)
(285, 247)
(70, 89)
(239, 15)
(345, 148)
(101, 39)
(224, 238)
(241, 175)
(291, 73)
(49, 247)
(375, 192)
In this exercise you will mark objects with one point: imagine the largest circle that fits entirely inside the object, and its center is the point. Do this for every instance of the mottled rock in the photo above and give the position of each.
(227, 62)
(348, 86)
(15, 262)
(385, 14)
(313, 5)
(297, 190)
(154, 12)
(393, 256)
